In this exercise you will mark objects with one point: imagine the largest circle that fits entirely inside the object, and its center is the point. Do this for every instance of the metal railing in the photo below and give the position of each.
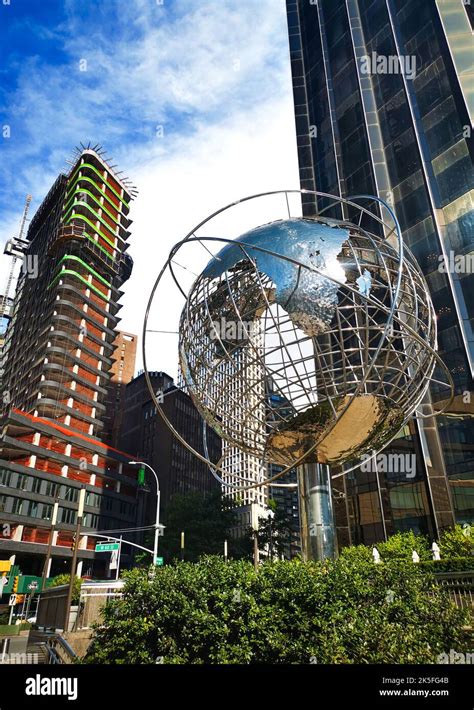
(459, 586)
(59, 651)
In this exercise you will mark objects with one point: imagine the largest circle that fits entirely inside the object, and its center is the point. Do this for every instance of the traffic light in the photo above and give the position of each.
(15, 584)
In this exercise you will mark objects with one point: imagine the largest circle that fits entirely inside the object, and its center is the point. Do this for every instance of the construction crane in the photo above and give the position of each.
(15, 248)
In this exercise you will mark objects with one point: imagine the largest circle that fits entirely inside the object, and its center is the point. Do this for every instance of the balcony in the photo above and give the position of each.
(73, 232)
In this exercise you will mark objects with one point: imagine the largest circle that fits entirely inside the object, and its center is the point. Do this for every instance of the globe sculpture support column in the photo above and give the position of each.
(305, 343)
(318, 539)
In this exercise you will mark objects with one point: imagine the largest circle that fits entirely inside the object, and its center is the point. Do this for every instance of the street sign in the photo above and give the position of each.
(106, 546)
(159, 561)
(28, 584)
(113, 564)
(12, 600)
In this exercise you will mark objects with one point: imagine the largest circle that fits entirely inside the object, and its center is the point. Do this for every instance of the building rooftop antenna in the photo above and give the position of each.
(15, 248)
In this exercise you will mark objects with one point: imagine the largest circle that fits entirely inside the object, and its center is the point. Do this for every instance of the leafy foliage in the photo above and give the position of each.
(401, 546)
(64, 579)
(457, 542)
(456, 549)
(206, 522)
(346, 611)
(274, 531)
(453, 564)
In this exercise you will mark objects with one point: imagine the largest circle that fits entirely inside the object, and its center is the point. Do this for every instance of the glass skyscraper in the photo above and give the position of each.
(384, 105)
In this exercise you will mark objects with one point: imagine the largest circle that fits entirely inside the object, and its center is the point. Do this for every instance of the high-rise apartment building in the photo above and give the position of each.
(384, 105)
(121, 373)
(58, 355)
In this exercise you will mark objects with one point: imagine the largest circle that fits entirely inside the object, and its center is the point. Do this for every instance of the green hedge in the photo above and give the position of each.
(455, 564)
(6, 630)
(345, 611)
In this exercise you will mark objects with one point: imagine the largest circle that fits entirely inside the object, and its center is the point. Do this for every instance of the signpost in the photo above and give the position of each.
(113, 564)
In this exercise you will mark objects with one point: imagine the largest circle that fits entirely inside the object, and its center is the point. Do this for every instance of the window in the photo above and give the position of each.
(22, 482)
(67, 516)
(5, 477)
(36, 487)
(125, 508)
(69, 494)
(47, 512)
(17, 506)
(91, 520)
(32, 508)
(51, 489)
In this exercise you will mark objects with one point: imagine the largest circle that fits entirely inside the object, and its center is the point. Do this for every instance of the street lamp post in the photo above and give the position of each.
(157, 522)
(80, 513)
(271, 515)
(54, 520)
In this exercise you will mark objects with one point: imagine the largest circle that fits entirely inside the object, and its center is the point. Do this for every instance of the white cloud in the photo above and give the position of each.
(252, 152)
(214, 73)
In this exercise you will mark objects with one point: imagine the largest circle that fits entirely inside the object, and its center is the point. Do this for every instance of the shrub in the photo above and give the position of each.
(456, 542)
(401, 546)
(346, 611)
(454, 564)
(64, 579)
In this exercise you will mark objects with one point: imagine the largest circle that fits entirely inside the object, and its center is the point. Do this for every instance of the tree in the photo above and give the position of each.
(344, 611)
(401, 546)
(274, 531)
(457, 542)
(205, 520)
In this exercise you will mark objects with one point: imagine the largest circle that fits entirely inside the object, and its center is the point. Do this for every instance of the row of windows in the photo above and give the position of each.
(44, 511)
(40, 486)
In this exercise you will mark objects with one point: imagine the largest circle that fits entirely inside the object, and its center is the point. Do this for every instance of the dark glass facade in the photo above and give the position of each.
(384, 105)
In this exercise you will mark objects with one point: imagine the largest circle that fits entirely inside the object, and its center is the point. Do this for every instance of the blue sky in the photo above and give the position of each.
(185, 95)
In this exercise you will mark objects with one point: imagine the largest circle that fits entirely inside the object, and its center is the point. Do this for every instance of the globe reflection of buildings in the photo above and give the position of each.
(286, 495)
(406, 137)
(238, 464)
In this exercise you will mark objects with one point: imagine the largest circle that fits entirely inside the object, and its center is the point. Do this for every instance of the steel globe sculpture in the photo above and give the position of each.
(336, 320)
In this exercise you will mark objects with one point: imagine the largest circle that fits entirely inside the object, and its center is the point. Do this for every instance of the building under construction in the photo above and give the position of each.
(57, 357)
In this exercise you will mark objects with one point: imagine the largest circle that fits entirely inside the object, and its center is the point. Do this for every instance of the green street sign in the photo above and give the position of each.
(159, 561)
(106, 546)
(29, 584)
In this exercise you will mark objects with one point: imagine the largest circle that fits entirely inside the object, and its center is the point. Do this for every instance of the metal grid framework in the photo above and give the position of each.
(380, 342)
